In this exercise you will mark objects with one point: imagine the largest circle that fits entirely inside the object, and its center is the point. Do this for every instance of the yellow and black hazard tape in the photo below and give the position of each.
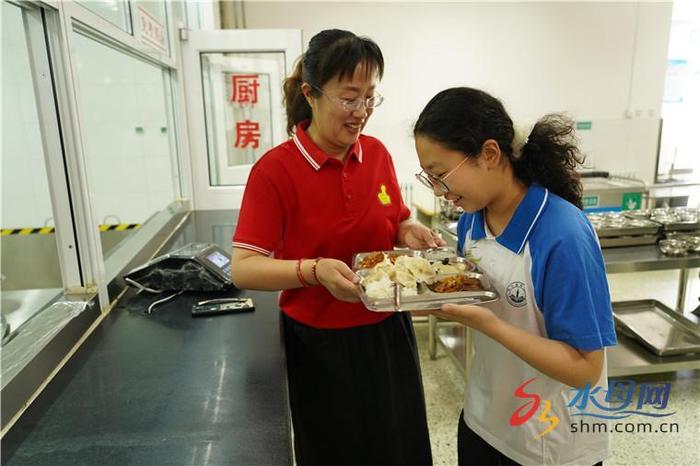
(119, 227)
(50, 230)
(27, 231)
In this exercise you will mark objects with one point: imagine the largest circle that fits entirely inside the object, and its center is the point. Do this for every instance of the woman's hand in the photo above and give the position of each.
(416, 236)
(476, 317)
(338, 279)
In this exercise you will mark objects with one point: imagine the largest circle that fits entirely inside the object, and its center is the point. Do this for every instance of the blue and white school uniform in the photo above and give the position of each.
(548, 268)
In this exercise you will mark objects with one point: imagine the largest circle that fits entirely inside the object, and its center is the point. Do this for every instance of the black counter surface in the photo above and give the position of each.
(166, 388)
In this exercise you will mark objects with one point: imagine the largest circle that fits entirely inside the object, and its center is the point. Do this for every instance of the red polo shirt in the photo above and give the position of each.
(301, 203)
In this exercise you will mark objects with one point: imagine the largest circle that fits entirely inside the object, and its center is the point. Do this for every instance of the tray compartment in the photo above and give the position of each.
(360, 260)
(426, 298)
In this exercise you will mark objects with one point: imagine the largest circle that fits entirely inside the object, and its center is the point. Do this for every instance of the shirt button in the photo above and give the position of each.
(349, 196)
(345, 176)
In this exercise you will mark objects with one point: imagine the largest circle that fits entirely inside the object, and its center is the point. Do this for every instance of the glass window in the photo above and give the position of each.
(193, 15)
(243, 117)
(125, 131)
(151, 25)
(179, 12)
(678, 159)
(114, 11)
(31, 274)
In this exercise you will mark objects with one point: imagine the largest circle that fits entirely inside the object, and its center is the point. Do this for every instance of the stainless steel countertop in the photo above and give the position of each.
(622, 259)
(18, 306)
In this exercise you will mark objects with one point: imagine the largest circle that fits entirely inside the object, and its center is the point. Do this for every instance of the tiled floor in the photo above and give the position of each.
(444, 390)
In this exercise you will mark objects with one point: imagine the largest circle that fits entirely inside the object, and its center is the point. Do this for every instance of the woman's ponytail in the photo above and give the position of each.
(295, 103)
(549, 156)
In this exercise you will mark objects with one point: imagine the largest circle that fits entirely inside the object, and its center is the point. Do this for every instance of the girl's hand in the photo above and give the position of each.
(476, 317)
(338, 279)
(417, 236)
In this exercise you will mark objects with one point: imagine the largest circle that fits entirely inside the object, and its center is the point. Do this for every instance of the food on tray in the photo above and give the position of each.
(456, 283)
(445, 266)
(418, 267)
(405, 280)
(370, 260)
(405, 270)
(375, 258)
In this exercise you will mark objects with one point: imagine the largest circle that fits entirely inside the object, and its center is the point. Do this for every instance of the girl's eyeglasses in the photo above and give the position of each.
(437, 183)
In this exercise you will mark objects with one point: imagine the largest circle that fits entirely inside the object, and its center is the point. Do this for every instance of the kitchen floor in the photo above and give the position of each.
(444, 390)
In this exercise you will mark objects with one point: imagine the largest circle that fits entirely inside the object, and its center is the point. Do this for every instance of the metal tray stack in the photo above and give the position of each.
(680, 243)
(426, 298)
(663, 331)
(680, 228)
(615, 229)
(671, 219)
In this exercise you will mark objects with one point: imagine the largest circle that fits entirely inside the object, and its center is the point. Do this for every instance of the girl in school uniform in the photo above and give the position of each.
(543, 341)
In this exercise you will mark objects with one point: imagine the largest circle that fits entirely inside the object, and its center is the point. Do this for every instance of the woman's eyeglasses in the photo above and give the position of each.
(352, 105)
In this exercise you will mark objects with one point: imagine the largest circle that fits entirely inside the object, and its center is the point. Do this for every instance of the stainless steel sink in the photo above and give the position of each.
(18, 306)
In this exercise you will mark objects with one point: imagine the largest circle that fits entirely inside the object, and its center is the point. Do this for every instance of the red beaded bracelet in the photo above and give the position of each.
(303, 282)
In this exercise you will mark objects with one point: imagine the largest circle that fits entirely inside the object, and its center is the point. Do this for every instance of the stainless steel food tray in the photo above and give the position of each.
(621, 241)
(648, 228)
(616, 224)
(662, 330)
(426, 298)
(432, 254)
(670, 219)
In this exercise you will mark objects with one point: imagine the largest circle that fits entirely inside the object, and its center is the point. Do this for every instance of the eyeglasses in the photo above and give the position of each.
(437, 183)
(352, 105)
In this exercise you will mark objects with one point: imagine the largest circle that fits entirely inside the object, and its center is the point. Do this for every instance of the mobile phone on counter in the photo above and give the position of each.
(213, 307)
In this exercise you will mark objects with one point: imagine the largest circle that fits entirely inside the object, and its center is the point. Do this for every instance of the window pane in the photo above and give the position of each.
(31, 275)
(150, 24)
(114, 11)
(125, 129)
(244, 119)
(179, 12)
(678, 158)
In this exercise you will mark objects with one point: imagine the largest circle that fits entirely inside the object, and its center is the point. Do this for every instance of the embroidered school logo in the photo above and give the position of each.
(516, 295)
(383, 196)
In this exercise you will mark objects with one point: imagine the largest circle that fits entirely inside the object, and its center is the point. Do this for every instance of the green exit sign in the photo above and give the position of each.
(631, 201)
(584, 125)
(591, 201)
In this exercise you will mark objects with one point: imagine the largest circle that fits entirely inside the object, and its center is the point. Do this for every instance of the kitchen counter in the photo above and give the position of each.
(166, 388)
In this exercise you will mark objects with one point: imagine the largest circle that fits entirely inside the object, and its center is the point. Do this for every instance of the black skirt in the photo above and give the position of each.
(356, 395)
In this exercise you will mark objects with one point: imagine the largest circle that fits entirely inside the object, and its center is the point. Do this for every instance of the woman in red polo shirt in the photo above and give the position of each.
(311, 203)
